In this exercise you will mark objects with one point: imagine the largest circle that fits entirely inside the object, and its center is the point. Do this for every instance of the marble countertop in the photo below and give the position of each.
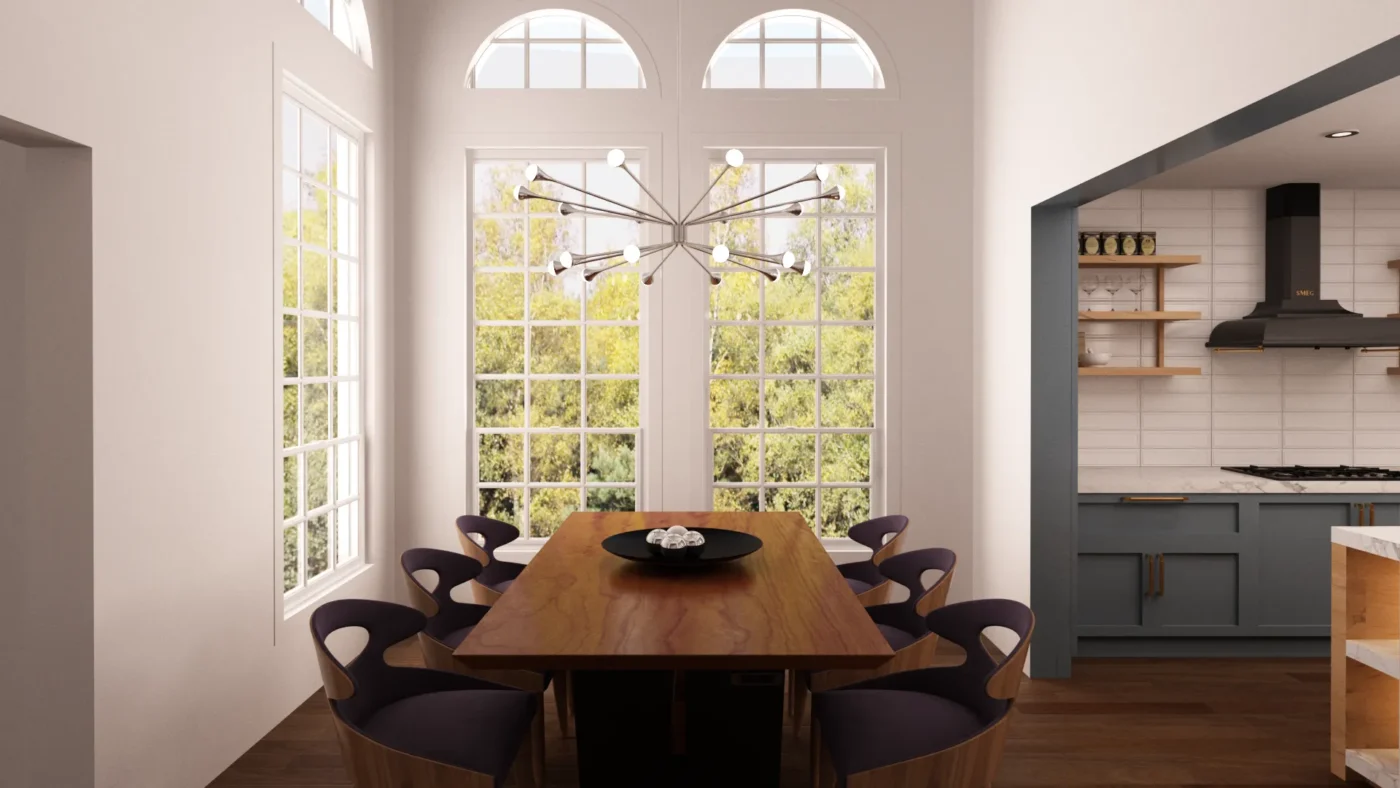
(1183, 481)
(1381, 540)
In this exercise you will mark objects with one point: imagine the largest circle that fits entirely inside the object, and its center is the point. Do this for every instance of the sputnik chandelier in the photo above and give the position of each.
(769, 265)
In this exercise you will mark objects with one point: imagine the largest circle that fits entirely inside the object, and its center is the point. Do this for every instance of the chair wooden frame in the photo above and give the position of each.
(880, 594)
(919, 654)
(480, 593)
(438, 656)
(968, 764)
(374, 765)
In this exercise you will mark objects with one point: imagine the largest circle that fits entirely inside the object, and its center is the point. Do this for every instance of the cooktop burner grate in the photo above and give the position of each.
(1317, 473)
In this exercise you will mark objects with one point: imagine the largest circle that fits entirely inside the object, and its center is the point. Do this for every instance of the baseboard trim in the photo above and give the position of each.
(1204, 647)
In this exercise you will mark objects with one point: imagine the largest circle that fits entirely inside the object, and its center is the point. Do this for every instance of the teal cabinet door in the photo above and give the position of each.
(1112, 589)
(1294, 566)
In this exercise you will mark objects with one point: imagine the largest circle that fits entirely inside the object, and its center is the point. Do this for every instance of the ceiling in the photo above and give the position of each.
(1297, 152)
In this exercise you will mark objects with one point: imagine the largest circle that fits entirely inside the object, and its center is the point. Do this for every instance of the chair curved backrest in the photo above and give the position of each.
(908, 569)
(368, 683)
(876, 535)
(998, 677)
(444, 613)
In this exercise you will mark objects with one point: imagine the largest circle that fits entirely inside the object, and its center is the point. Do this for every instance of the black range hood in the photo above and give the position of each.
(1291, 314)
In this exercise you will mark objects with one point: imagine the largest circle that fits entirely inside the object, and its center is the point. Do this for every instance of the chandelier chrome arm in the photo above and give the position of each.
(733, 253)
(647, 277)
(704, 194)
(714, 278)
(793, 208)
(573, 210)
(653, 217)
(644, 188)
(814, 175)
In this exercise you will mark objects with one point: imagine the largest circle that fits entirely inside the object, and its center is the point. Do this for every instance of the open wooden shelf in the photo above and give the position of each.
(1137, 261)
(1137, 371)
(1139, 315)
(1381, 767)
(1381, 655)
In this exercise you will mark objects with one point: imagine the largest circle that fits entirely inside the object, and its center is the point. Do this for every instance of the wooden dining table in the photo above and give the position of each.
(677, 673)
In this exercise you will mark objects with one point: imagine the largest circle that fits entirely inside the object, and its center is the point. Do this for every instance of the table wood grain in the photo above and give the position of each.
(578, 607)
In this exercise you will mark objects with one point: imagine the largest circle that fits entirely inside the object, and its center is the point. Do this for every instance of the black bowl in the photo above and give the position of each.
(720, 546)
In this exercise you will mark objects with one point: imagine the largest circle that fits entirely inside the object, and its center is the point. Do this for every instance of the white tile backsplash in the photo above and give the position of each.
(1308, 407)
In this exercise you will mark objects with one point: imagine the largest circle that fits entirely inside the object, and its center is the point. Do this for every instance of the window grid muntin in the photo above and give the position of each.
(822, 20)
(334, 8)
(336, 508)
(527, 39)
(762, 376)
(583, 376)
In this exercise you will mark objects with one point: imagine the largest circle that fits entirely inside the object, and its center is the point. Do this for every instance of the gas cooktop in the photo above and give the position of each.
(1318, 473)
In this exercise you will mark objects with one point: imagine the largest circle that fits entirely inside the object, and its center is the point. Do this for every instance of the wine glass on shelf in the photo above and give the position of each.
(1089, 285)
(1136, 282)
(1113, 285)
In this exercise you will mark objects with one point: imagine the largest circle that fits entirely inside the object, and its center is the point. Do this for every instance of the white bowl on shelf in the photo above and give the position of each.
(1093, 358)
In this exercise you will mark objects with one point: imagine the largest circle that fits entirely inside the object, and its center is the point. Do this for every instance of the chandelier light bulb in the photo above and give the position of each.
(532, 173)
(646, 279)
(566, 259)
(795, 209)
(565, 210)
(521, 193)
(714, 279)
(734, 157)
(556, 268)
(631, 253)
(789, 259)
(616, 158)
(807, 267)
(823, 172)
(720, 254)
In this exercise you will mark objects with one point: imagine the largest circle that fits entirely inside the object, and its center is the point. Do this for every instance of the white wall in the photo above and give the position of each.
(1305, 407)
(926, 124)
(1047, 118)
(176, 101)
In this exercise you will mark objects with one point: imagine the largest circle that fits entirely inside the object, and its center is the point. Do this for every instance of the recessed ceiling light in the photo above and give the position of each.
(1341, 134)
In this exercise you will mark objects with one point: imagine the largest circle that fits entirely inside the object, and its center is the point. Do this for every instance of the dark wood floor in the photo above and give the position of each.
(1217, 723)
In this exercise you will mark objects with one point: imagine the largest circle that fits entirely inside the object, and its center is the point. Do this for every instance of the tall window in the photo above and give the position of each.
(344, 18)
(794, 413)
(319, 297)
(557, 360)
(555, 49)
(794, 49)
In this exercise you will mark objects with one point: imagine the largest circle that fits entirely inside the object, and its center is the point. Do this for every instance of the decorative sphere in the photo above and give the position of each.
(694, 539)
(655, 536)
(673, 542)
(677, 530)
(734, 157)
(823, 172)
(616, 158)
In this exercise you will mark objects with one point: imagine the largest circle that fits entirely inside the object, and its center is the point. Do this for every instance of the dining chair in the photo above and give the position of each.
(450, 621)
(496, 575)
(414, 726)
(884, 536)
(901, 623)
(941, 726)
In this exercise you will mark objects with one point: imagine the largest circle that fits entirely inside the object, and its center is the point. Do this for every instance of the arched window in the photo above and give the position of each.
(794, 49)
(346, 19)
(555, 48)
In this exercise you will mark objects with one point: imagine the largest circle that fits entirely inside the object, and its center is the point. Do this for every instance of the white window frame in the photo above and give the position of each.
(584, 40)
(646, 368)
(762, 40)
(309, 591)
(878, 484)
(356, 25)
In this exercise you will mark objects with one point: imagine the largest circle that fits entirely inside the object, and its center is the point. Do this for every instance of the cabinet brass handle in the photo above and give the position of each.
(1151, 578)
(1360, 514)
(1373, 514)
(1161, 574)
(1154, 499)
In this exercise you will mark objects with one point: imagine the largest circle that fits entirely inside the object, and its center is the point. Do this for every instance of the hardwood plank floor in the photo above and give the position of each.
(1147, 723)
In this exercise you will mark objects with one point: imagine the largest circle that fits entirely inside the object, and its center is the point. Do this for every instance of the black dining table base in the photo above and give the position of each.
(690, 729)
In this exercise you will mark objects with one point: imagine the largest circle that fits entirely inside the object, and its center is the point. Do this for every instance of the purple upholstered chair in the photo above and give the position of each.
(942, 726)
(496, 576)
(902, 624)
(413, 726)
(883, 536)
(450, 621)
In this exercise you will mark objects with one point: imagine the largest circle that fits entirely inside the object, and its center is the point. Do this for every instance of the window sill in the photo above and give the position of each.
(840, 550)
(311, 597)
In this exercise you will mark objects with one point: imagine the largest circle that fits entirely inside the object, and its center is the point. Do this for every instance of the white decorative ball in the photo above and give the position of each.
(655, 536)
(673, 542)
(694, 539)
(679, 530)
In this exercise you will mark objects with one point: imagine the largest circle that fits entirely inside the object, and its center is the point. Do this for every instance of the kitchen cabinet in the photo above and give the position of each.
(1203, 574)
